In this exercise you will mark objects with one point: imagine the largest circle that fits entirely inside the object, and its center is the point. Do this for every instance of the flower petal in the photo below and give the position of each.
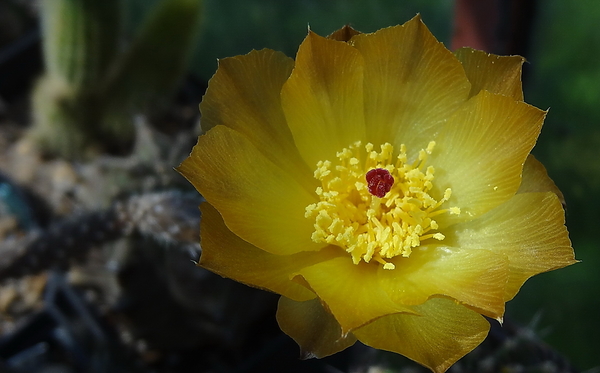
(412, 84)
(341, 285)
(228, 255)
(323, 99)
(344, 34)
(536, 179)
(442, 333)
(244, 94)
(529, 229)
(480, 153)
(314, 329)
(260, 202)
(475, 278)
(496, 74)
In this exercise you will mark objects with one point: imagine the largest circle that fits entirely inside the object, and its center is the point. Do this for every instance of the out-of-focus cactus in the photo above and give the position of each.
(92, 85)
(80, 38)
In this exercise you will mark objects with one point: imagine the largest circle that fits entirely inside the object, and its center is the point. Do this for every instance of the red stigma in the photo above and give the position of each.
(380, 181)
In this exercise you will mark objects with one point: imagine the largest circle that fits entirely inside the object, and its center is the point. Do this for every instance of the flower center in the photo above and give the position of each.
(374, 207)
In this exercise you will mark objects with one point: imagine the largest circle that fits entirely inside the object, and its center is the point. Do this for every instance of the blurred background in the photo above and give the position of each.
(137, 99)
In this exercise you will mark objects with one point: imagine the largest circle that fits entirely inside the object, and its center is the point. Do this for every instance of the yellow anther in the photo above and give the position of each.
(372, 228)
(455, 210)
(430, 147)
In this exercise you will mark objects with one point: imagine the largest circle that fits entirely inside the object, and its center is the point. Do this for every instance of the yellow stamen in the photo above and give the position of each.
(369, 227)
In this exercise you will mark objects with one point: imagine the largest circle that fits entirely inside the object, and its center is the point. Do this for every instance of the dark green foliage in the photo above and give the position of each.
(233, 27)
(565, 77)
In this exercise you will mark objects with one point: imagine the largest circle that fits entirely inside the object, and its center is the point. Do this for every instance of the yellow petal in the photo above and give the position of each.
(323, 100)
(228, 255)
(529, 229)
(536, 179)
(244, 94)
(259, 201)
(473, 277)
(344, 34)
(350, 291)
(442, 333)
(314, 329)
(412, 84)
(480, 153)
(496, 74)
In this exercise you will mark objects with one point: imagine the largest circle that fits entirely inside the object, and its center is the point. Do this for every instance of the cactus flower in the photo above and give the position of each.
(381, 184)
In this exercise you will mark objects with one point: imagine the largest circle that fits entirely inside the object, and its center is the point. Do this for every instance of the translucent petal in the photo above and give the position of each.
(344, 34)
(244, 94)
(496, 74)
(260, 202)
(528, 229)
(323, 98)
(412, 84)
(442, 333)
(350, 291)
(314, 329)
(228, 255)
(536, 179)
(480, 153)
(473, 277)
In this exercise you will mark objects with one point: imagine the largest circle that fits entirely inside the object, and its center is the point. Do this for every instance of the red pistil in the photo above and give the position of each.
(380, 181)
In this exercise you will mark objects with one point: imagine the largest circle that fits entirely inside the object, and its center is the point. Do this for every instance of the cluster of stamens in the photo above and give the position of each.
(374, 207)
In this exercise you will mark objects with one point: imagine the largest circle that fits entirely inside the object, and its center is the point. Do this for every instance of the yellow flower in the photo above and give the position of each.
(382, 185)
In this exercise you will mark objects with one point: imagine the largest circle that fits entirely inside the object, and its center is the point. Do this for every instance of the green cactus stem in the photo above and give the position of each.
(85, 102)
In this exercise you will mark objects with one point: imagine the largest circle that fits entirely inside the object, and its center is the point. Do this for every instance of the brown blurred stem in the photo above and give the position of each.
(495, 26)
